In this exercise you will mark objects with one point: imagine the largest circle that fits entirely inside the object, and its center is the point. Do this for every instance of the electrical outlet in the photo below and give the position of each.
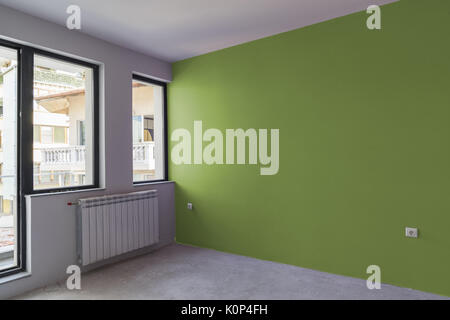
(189, 206)
(411, 232)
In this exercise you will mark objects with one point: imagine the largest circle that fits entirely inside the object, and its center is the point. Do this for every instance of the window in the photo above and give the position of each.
(41, 150)
(149, 130)
(9, 201)
(63, 121)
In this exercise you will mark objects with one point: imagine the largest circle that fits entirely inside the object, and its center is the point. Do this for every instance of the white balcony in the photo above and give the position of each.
(72, 158)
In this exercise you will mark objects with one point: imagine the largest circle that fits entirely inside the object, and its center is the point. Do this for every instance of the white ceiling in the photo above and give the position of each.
(177, 29)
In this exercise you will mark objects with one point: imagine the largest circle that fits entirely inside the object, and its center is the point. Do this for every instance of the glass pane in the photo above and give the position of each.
(8, 158)
(148, 128)
(63, 110)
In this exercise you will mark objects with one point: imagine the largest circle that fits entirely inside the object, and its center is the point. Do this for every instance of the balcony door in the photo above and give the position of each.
(9, 199)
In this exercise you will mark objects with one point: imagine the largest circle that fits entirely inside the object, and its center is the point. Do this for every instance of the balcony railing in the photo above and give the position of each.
(72, 158)
(143, 156)
(64, 155)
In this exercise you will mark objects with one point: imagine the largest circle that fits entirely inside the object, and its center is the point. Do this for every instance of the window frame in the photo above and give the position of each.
(95, 119)
(162, 84)
(24, 156)
(20, 205)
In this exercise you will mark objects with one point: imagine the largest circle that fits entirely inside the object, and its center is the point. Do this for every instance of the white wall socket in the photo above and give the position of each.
(189, 206)
(411, 232)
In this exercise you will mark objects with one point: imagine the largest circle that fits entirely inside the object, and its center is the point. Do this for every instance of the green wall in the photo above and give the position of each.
(364, 119)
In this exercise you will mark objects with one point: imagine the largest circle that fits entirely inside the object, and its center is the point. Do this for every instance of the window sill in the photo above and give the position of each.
(15, 277)
(151, 183)
(35, 195)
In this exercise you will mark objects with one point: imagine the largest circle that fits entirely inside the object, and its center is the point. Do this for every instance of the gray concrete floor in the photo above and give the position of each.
(183, 272)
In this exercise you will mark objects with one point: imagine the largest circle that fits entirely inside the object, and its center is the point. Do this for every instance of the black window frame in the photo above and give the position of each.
(25, 170)
(20, 203)
(162, 84)
(95, 123)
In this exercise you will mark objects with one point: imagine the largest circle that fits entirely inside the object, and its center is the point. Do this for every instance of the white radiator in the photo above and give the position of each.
(112, 225)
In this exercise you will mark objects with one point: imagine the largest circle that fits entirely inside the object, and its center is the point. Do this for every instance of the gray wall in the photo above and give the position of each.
(52, 223)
